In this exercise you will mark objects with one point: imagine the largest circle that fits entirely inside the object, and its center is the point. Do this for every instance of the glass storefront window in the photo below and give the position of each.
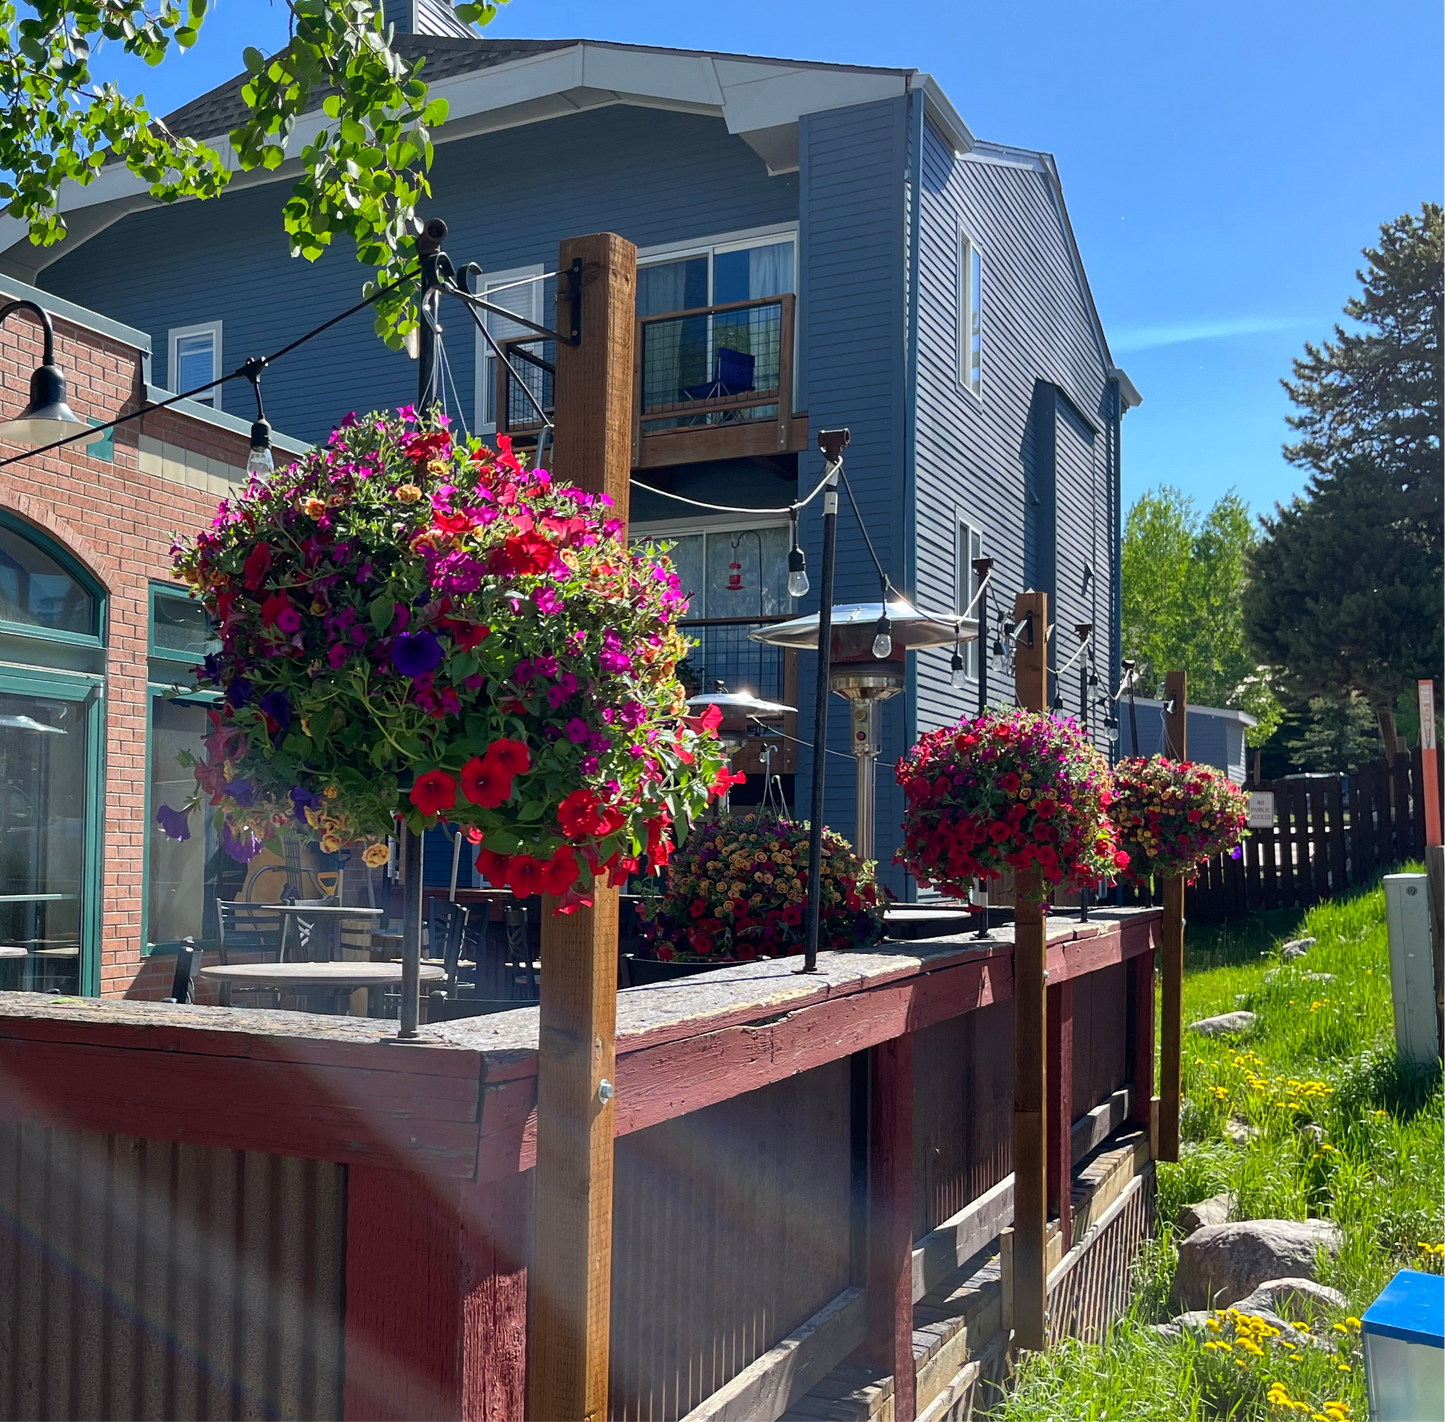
(36, 590)
(44, 770)
(179, 628)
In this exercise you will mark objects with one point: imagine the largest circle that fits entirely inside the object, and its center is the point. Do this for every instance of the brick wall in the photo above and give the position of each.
(116, 518)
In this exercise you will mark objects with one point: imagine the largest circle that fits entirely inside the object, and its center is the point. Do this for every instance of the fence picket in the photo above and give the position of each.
(1335, 818)
(1362, 825)
(1269, 842)
(1319, 841)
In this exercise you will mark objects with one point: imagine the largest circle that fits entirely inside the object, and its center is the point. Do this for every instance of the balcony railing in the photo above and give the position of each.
(712, 383)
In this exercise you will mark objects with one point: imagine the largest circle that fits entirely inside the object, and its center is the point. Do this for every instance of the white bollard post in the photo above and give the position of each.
(1412, 972)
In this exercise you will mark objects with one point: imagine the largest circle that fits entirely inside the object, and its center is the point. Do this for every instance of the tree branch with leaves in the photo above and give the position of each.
(362, 174)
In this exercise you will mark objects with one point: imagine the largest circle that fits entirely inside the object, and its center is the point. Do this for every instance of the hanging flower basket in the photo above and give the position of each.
(1174, 815)
(737, 889)
(413, 626)
(1007, 790)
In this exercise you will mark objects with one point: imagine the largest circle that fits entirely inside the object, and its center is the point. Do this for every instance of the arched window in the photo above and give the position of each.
(52, 685)
(42, 588)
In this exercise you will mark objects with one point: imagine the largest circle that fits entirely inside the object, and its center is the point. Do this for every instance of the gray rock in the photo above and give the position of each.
(1221, 1264)
(1293, 1298)
(1296, 948)
(1239, 1131)
(1216, 1210)
(1227, 1024)
(1317, 977)
(1315, 1133)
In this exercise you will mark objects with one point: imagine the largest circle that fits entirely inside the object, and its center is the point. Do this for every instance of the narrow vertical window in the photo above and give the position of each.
(970, 315)
(195, 360)
(970, 546)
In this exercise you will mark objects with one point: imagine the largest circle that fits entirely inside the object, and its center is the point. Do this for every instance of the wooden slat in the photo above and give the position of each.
(1060, 1007)
(1362, 825)
(1335, 818)
(1030, 1093)
(1141, 1038)
(1417, 803)
(1319, 840)
(1299, 860)
(567, 1367)
(890, 1219)
(1269, 847)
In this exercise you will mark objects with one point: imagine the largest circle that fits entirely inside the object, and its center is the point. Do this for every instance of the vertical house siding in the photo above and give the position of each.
(1031, 461)
(508, 198)
(853, 313)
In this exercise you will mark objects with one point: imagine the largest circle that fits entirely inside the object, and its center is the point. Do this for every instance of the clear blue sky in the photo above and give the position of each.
(1224, 164)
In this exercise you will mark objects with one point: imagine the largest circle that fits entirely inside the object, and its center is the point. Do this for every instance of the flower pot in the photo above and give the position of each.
(642, 972)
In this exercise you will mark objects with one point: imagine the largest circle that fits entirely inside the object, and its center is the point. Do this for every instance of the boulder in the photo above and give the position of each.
(1239, 1131)
(1221, 1264)
(1296, 948)
(1227, 1024)
(1293, 1298)
(1203, 1213)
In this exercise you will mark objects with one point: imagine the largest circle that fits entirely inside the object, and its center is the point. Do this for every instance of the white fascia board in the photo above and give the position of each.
(686, 78)
(946, 118)
(1128, 391)
(766, 95)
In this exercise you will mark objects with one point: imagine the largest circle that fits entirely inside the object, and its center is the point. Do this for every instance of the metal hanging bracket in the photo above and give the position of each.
(462, 288)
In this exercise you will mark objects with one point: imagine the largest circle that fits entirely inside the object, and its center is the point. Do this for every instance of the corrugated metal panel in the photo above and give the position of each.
(730, 1228)
(143, 1279)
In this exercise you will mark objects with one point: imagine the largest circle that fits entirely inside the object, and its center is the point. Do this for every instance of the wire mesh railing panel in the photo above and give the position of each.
(713, 366)
(527, 381)
(723, 652)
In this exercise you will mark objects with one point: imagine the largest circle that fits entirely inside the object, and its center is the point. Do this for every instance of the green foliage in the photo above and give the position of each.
(362, 174)
(1346, 581)
(1340, 735)
(1185, 582)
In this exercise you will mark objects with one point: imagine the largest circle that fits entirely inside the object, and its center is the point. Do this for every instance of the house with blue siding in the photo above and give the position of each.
(819, 245)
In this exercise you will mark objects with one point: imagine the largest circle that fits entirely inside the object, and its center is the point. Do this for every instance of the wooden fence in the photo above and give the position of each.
(328, 1225)
(1331, 833)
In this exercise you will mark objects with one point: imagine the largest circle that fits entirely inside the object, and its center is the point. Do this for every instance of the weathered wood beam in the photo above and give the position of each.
(572, 1252)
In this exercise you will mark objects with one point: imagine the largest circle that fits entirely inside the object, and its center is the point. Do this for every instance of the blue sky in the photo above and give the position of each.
(1224, 164)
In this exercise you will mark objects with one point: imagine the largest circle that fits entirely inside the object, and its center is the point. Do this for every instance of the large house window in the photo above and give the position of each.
(195, 360)
(184, 877)
(719, 354)
(734, 578)
(970, 315)
(970, 546)
(51, 699)
(522, 290)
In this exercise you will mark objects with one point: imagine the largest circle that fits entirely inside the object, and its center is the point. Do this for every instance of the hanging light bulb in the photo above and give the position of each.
(956, 667)
(883, 642)
(259, 460)
(1058, 704)
(1111, 729)
(797, 566)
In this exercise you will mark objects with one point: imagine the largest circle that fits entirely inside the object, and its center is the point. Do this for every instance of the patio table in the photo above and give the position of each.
(334, 978)
(327, 918)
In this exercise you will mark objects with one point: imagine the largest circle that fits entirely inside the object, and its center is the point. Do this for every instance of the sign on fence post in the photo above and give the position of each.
(1429, 762)
(1261, 809)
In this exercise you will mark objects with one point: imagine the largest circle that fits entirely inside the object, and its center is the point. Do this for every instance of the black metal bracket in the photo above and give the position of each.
(462, 289)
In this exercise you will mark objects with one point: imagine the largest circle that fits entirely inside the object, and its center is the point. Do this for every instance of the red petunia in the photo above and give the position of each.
(560, 872)
(510, 757)
(466, 635)
(273, 607)
(433, 792)
(484, 783)
(257, 565)
(522, 555)
(451, 522)
(524, 875)
(493, 867)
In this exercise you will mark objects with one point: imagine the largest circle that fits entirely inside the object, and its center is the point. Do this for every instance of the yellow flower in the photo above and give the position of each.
(331, 791)
(408, 493)
(314, 507)
(330, 842)
(376, 855)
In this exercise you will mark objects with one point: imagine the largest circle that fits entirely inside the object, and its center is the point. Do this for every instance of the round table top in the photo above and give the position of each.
(8, 951)
(328, 975)
(315, 910)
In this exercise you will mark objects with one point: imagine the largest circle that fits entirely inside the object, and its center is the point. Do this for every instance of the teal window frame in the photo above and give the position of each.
(169, 671)
(41, 661)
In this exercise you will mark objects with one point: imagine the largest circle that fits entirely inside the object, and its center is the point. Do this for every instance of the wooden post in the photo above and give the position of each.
(890, 1219)
(1171, 997)
(1140, 1018)
(1061, 1105)
(1030, 1284)
(1429, 764)
(572, 1249)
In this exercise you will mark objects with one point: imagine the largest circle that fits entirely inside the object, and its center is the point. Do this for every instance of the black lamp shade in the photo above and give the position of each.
(47, 417)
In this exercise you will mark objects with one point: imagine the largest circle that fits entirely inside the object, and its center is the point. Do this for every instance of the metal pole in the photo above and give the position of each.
(413, 869)
(984, 651)
(832, 443)
(865, 748)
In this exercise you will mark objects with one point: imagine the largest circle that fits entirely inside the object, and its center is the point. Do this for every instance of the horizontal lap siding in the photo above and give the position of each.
(508, 199)
(731, 1228)
(851, 307)
(976, 457)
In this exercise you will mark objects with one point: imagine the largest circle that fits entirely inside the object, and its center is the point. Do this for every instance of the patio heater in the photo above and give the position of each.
(869, 645)
(739, 710)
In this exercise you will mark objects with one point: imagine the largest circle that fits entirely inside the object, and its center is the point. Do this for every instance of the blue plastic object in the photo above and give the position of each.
(1404, 1341)
(1412, 1309)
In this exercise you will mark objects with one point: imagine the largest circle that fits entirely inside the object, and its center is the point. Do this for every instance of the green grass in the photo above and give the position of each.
(1341, 1129)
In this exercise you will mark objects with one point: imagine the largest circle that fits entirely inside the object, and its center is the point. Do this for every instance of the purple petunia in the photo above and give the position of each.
(241, 790)
(242, 849)
(239, 691)
(175, 823)
(277, 706)
(302, 800)
(416, 653)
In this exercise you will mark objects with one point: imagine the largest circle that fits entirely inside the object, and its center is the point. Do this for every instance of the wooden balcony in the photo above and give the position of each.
(711, 383)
